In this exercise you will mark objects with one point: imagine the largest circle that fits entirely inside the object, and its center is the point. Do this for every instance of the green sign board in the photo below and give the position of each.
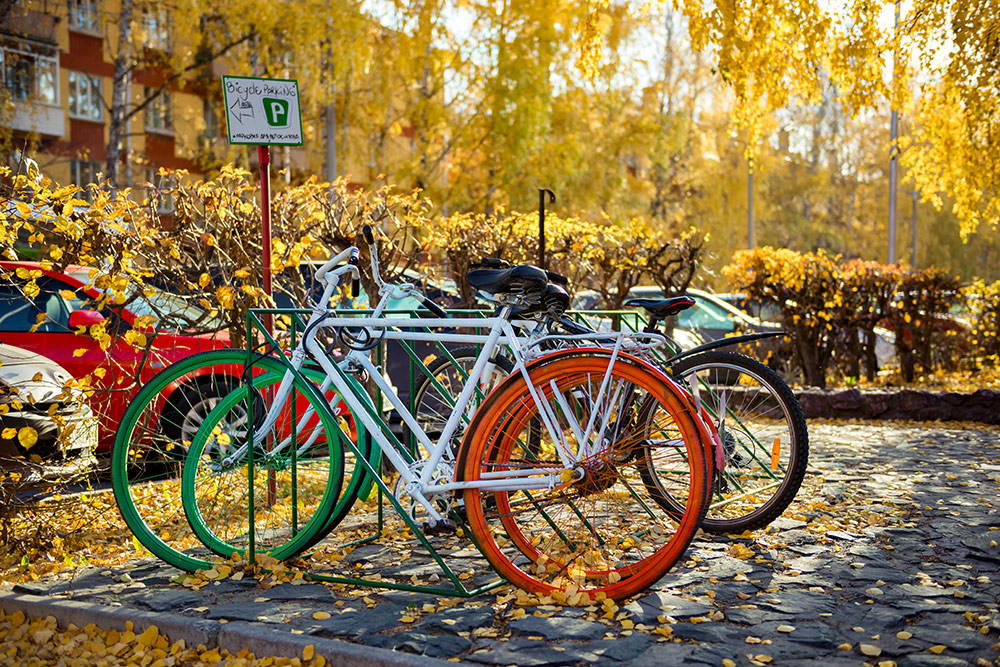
(264, 112)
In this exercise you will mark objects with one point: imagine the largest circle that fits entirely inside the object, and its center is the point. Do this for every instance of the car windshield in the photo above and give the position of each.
(161, 303)
(705, 315)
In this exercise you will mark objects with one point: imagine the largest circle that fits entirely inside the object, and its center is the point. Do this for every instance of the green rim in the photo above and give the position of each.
(147, 502)
(162, 532)
(291, 516)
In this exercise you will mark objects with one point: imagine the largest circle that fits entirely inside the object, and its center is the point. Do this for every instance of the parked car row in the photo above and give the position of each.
(47, 430)
(67, 304)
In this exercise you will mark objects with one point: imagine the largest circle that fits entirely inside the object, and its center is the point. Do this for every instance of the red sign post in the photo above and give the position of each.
(263, 112)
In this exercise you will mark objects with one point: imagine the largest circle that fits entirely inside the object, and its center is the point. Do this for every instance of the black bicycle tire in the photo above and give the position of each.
(422, 380)
(785, 493)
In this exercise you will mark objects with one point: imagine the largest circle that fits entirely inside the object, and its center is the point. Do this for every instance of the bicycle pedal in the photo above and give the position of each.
(442, 527)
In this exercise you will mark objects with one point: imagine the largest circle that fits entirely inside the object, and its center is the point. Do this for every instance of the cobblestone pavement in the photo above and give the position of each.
(888, 556)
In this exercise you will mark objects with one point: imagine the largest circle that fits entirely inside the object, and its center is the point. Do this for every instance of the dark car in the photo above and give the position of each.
(709, 319)
(47, 431)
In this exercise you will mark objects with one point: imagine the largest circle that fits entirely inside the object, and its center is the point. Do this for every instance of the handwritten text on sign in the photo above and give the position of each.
(262, 111)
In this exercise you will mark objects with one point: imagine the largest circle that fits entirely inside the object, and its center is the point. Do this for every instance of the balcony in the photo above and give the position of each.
(46, 120)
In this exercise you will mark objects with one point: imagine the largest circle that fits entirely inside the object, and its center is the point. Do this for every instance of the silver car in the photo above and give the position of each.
(48, 433)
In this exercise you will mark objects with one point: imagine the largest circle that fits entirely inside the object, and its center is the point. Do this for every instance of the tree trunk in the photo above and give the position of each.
(815, 375)
(905, 354)
(855, 351)
(331, 125)
(119, 91)
(871, 360)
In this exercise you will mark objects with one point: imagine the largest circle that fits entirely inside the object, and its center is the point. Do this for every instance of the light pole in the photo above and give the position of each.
(893, 152)
(750, 239)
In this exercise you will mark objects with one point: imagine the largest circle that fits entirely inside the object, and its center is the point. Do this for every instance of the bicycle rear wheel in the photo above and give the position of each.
(764, 441)
(297, 472)
(594, 533)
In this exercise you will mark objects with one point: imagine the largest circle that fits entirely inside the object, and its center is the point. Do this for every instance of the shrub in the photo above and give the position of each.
(984, 308)
(805, 289)
(865, 291)
(919, 316)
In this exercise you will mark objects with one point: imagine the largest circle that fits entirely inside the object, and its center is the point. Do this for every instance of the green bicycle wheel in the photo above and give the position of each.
(151, 444)
(296, 470)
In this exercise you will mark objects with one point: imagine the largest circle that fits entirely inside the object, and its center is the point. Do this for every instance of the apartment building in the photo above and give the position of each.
(56, 69)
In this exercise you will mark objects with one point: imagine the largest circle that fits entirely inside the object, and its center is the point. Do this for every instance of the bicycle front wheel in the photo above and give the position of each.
(297, 470)
(595, 532)
(763, 435)
(152, 442)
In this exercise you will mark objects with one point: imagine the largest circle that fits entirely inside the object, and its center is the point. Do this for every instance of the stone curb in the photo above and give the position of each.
(907, 404)
(896, 404)
(232, 637)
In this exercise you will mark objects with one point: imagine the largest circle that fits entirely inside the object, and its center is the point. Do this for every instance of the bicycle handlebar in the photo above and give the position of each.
(557, 278)
(337, 259)
(356, 282)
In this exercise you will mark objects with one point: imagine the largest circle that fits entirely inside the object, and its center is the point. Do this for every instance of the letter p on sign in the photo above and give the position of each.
(276, 112)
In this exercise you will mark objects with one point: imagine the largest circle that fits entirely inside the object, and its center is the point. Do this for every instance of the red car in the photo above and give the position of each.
(56, 338)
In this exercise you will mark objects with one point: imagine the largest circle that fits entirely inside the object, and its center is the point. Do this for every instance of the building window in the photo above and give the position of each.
(29, 75)
(85, 96)
(83, 15)
(158, 115)
(156, 28)
(85, 172)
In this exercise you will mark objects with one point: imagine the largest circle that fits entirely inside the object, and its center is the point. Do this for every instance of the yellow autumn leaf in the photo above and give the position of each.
(308, 652)
(27, 436)
(321, 615)
(226, 296)
(870, 650)
(9, 433)
(204, 280)
(79, 352)
(242, 273)
(937, 649)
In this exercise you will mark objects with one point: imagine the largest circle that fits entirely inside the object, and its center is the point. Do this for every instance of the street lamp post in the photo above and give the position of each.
(894, 153)
(750, 234)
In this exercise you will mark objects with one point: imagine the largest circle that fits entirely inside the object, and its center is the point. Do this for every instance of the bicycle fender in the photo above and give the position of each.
(725, 342)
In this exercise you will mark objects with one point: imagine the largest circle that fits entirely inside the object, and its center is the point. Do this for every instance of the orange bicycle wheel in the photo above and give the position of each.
(595, 531)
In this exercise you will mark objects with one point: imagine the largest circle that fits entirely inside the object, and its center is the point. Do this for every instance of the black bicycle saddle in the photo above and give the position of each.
(662, 308)
(520, 279)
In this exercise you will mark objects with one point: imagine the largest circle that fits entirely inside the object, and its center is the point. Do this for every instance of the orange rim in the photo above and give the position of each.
(493, 444)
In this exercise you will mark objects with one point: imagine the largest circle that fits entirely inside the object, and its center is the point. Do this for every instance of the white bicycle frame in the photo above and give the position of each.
(417, 483)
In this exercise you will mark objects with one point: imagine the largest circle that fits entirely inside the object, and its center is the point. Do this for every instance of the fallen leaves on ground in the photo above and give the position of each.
(41, 642)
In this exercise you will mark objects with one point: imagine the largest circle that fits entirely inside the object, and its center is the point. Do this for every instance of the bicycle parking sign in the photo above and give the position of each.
(264, 112)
